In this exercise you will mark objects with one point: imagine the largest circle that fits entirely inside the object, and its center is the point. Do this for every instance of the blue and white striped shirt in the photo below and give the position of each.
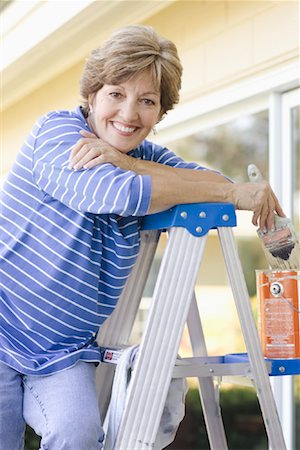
(68, 242)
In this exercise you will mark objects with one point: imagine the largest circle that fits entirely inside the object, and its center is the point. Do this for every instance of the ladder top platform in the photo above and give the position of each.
(197, 218)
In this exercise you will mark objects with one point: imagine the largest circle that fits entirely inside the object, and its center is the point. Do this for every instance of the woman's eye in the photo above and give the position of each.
(148, 101)
(115, 94)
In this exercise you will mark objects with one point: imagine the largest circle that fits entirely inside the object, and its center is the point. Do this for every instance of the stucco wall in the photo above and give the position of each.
(223, 42)
(60, 93)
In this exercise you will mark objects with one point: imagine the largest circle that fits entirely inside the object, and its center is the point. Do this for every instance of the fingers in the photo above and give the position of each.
(277, 207)
(94, 162)
(87, 153)
(86, 148)
(90, 151)
(255, 218)
(265, 216)
(88, 134)
(87, 137)
(80, 144)
(266, 220)
(260, 199)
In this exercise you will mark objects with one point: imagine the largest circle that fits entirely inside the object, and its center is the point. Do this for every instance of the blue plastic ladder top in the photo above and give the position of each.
(276, 366)
(197, 218)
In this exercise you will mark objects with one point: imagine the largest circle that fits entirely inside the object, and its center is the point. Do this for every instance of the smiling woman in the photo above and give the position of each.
(69, 238)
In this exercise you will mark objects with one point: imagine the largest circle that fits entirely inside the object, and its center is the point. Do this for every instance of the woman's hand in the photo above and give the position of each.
(91, 151)
(259, 198)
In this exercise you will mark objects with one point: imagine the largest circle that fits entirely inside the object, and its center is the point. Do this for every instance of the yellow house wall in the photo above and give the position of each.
(219, 44)
(60, 93)
(223, 42)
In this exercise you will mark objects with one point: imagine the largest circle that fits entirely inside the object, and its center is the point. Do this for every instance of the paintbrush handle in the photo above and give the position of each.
(254, 173)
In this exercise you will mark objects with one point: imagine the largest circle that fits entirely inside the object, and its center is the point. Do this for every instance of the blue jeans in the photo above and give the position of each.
(61, 407)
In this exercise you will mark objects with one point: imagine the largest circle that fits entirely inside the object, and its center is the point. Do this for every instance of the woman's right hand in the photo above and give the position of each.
(90, 151)
(259, 198)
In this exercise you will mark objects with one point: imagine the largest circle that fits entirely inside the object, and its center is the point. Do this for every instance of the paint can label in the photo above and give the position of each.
(279, 312)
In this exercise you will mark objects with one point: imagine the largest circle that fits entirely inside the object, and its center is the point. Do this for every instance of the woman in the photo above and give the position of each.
(70, 222)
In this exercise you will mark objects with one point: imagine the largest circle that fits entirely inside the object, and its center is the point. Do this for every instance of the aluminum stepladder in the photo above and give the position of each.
(173, 305)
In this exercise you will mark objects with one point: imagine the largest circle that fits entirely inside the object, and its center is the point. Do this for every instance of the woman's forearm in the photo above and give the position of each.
(145, 167)
(172, 190)
(172, 186)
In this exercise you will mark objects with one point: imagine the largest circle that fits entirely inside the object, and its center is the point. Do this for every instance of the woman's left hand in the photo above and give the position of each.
(90, 151)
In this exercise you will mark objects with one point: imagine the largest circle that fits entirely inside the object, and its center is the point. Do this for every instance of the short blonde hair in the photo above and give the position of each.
(128, 51)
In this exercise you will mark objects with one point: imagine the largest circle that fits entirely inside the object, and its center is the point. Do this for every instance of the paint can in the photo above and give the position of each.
(278, 293)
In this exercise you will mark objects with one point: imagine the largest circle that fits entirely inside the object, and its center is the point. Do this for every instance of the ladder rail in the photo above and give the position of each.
(115, 330)
(148, 388)
(210, 405)
(251, 338)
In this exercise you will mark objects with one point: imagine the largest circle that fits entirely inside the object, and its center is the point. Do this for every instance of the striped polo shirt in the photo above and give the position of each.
(68, 241)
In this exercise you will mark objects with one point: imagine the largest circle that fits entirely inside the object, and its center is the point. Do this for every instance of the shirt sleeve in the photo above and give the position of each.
(163, 155)
(105, 189)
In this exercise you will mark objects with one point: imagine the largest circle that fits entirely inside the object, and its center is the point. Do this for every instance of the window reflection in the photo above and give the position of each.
(229, 147)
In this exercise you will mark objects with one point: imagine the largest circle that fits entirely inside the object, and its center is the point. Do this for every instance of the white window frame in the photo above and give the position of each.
(281, 178)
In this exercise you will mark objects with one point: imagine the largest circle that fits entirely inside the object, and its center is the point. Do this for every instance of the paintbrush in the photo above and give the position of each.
(281, 245)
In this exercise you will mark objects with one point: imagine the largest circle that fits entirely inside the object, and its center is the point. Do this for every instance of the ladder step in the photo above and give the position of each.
(232, 364)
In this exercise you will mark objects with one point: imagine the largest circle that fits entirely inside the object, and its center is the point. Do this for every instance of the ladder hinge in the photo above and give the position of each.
(197, 218)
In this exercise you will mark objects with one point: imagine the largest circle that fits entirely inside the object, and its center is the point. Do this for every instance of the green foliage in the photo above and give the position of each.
(32, 441)
(252, 258)
(242, 422)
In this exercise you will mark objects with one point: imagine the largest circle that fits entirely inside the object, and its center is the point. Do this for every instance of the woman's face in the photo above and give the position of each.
(123, 115)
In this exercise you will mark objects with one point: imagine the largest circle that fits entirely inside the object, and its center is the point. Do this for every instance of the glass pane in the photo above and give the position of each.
(230, 148)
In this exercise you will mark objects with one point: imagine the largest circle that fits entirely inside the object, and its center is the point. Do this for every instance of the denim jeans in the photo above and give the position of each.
(61, 407)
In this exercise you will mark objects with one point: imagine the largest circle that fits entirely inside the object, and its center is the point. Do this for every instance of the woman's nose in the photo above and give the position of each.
(129, 111)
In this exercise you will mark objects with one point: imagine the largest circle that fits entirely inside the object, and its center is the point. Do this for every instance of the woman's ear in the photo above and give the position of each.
(91, 98)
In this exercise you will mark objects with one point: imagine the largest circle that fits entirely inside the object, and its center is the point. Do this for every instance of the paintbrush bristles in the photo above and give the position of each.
(281, 246)
(277, 263)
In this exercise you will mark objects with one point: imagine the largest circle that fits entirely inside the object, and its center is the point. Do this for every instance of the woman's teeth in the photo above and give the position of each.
(123, 128)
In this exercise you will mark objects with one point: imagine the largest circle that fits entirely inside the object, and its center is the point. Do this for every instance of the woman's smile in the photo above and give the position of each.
(124, 129)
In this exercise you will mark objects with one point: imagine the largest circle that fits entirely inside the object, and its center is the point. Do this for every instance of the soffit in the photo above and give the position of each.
(67, 44)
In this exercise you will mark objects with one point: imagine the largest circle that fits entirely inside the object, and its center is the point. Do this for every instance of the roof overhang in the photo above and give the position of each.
(40, 40)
